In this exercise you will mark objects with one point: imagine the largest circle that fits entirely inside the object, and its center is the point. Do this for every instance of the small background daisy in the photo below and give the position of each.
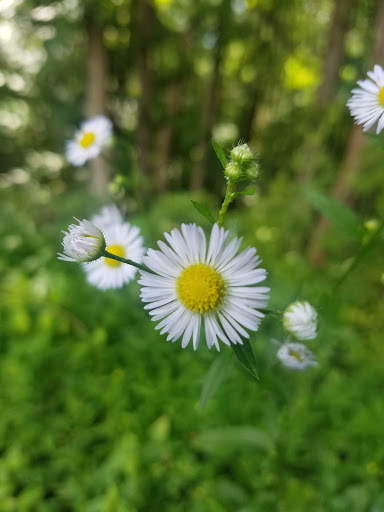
(367, 103)
(88, 140)
(122, 239)
(296, 356)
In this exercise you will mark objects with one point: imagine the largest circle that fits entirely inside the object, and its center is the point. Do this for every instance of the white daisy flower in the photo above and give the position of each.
(122, 240)
(296, 356)
(367, 104)
(194, 280)
(108, 215)
(83, 242)
(88, 140)
(300, 320)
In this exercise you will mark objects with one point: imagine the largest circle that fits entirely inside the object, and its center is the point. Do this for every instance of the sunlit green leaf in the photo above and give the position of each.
(339, 214)
(220, 153)
(203, 211)
(245, 355)
(215, 376)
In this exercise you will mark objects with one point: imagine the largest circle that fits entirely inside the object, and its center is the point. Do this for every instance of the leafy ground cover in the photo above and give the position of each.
(98, 413)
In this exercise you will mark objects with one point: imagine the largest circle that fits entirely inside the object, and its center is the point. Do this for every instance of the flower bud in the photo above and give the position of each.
(83, 243)
(252, 171)
(233, 171)
(242, 154)
(300, 320)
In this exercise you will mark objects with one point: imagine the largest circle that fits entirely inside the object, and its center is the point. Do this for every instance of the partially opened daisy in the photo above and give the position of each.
(300, 320)
(123, 240)
(296, 356)
(83, 242)
(197, 282)
(367, 103)
(88, 140)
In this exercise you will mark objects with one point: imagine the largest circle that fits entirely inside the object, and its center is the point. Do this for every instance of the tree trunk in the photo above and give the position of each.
(349, 167)
(250, 112)
(96, 98)
(335, 49)
(210, 103)
(165, 136)
(145, 28)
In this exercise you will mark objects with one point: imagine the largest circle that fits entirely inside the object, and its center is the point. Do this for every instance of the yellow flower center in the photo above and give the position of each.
(296, 355)
(200, 288)
(117, 250)
(87, 139)
(380, 95)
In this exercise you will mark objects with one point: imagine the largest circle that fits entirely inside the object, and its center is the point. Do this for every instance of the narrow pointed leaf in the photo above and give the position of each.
(246, 192)
(214, 378)
(203, 211)
(338, 213)
(220, 153)
(245, 355)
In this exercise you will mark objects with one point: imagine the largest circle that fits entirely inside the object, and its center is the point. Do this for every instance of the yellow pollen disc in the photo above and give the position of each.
(117, 250)
(296, 355)
(87, 139)
(380, 95)
(200, 288)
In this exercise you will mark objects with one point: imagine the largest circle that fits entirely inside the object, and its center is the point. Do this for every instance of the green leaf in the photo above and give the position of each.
(339, 214)
(220, 153)
(245, 355)
(215, 376)
(246, 192)
(203, 211)
(376, 139)
(233, 438)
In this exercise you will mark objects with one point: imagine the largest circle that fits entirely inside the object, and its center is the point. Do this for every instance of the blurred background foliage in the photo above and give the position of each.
(98, 413)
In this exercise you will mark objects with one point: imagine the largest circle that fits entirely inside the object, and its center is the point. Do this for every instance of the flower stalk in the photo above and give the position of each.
(227, 201)
(107, 254)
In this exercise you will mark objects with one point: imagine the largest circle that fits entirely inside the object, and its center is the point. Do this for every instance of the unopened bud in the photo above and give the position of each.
(242, 154)
(252, 171)
(233, 171)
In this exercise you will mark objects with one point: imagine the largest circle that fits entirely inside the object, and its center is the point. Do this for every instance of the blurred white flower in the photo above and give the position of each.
(122, 240)
(367, 103)
(88, 140)
(194, 280)
(300, 320)
(83, 243)
(296, 356)
(108, 215)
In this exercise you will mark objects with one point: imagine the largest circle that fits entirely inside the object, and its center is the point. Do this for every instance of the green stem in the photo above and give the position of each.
(227, 201)
(360, 255)
(107, 254)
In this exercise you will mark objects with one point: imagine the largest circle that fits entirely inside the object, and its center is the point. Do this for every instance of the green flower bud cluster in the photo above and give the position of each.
(242, 165)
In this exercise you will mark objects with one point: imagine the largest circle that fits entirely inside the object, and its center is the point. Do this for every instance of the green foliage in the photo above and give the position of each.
(203, 211)
(339, 214)
(214, 378)
(100, 413)
(245, 355)
(220, 153)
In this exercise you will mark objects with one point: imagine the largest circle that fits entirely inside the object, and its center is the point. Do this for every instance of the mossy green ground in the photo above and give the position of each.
(100, 414)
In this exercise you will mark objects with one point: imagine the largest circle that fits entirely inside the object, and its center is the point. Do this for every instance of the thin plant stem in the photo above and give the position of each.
(360, 255)
(107, 254)
(227, 201)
